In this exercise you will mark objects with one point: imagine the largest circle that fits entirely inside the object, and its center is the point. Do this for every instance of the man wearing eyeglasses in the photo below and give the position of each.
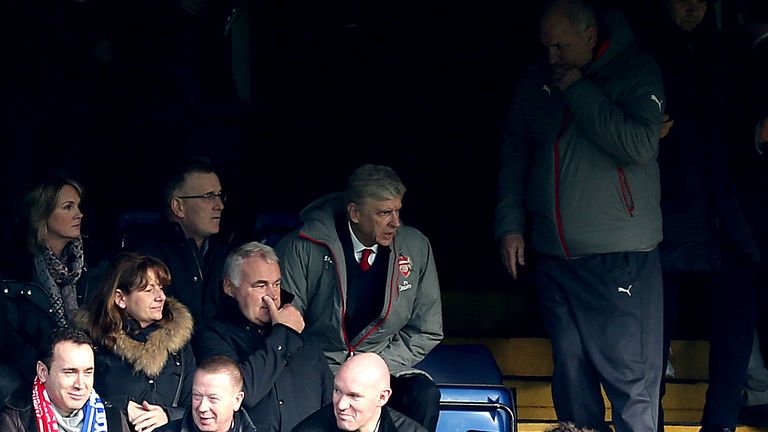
(189, 242)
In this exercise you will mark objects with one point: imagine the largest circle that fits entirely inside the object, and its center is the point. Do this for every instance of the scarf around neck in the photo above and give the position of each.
(94, 415)
(60, 276)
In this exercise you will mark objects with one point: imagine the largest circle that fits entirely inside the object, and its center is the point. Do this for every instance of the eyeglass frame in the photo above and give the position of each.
(208, 196)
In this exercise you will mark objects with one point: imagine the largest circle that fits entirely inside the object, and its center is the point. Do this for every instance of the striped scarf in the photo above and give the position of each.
(94, 418)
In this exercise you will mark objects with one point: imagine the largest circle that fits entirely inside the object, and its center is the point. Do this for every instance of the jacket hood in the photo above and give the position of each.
(333, 201)
(151, 356)
(318, 217)
(616, 28)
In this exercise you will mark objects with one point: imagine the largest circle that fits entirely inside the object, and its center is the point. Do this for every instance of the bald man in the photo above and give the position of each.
(361, 390)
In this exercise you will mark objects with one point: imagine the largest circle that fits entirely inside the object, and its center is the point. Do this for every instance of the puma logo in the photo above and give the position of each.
(626, 290)
(658, 102)
(546, 89)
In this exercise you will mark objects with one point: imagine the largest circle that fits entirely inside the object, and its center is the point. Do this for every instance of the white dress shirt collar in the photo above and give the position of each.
(358, 246)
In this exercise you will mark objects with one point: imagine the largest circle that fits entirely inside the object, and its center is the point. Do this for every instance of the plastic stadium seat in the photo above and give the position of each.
(472, 394)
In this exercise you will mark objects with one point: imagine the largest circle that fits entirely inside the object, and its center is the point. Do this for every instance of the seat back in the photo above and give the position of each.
(473, 396)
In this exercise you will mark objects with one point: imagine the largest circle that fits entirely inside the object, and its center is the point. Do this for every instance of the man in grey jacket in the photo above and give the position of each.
(366, 283)
(579, 167)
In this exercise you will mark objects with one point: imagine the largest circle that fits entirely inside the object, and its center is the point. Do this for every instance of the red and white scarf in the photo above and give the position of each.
(94, 419)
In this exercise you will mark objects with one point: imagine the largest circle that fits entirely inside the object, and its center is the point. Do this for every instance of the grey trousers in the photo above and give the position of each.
(604, 314)
(756, 388)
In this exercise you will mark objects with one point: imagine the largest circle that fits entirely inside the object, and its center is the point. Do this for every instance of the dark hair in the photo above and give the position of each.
(39, 203)
(179, 175)
(129, 272)
(64, 334)
(223, 365)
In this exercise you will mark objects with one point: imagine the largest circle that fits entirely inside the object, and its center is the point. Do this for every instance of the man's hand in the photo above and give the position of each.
(286, 315)
(513, 252)
(762, 133)
(146, 417)
(563, 76)
(666, 125)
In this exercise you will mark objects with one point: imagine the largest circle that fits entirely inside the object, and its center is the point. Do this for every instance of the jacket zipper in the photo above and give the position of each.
(351, 348)
(178, 387)
(199, 269)
(558, 216)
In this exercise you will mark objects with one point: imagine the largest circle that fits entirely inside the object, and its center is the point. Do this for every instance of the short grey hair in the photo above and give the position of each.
(236, 258)
(579, 14)
(373, 182)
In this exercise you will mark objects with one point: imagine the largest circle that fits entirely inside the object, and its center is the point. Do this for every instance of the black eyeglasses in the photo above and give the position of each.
(207, 197)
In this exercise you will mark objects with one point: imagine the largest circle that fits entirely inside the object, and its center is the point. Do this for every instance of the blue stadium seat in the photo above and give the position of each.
(472, 394)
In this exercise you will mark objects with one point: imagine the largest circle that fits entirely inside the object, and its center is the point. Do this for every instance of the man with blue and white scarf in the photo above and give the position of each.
(62, 396)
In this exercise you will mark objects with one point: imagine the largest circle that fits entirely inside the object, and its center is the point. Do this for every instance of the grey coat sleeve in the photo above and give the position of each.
(627, 128)
(513, 171)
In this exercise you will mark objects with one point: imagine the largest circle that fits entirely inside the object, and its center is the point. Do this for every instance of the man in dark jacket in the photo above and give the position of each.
(217, 394)
(286, 378)
(360, 392)
(708, 252)
(62, 394)
(753, 181)
(189, 243)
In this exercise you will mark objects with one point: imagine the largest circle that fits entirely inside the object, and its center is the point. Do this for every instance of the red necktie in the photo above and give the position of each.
(364, 259)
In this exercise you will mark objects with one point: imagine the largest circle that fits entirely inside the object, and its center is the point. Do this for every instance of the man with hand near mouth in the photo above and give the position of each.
(63, 398)
(286, 379)
(360, 393)
(366, 283)
(189, 242)
(217, 395)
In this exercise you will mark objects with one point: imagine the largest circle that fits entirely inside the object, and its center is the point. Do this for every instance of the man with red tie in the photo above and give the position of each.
(366, 283)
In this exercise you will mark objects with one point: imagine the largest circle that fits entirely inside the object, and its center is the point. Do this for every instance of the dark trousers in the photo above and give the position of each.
(417, 397)
(604, 315)
(730, 320)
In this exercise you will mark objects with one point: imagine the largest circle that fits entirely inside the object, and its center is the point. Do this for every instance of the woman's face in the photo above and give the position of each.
(687, 14)
(64, 223)
(144, 304)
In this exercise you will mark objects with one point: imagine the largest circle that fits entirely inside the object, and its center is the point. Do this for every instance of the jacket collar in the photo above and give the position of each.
(151, 356)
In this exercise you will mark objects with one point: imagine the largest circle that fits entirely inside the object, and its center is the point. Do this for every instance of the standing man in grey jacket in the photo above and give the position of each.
(366, 283)
(578, 166)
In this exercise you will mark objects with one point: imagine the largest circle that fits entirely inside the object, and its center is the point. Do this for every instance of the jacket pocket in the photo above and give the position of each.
(626, 192)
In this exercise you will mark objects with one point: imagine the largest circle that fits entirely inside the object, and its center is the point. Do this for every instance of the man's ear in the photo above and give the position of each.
(591, 35)
(353, 212)
(238, 400)
(177, 207)
(228, 287)
(384, 396)
(42, 371)
(120, 299)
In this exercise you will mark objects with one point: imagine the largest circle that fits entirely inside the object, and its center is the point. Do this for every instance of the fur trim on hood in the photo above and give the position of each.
(151, 356)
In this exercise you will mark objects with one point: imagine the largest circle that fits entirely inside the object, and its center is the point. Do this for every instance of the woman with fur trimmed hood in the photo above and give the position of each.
(144, 364)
